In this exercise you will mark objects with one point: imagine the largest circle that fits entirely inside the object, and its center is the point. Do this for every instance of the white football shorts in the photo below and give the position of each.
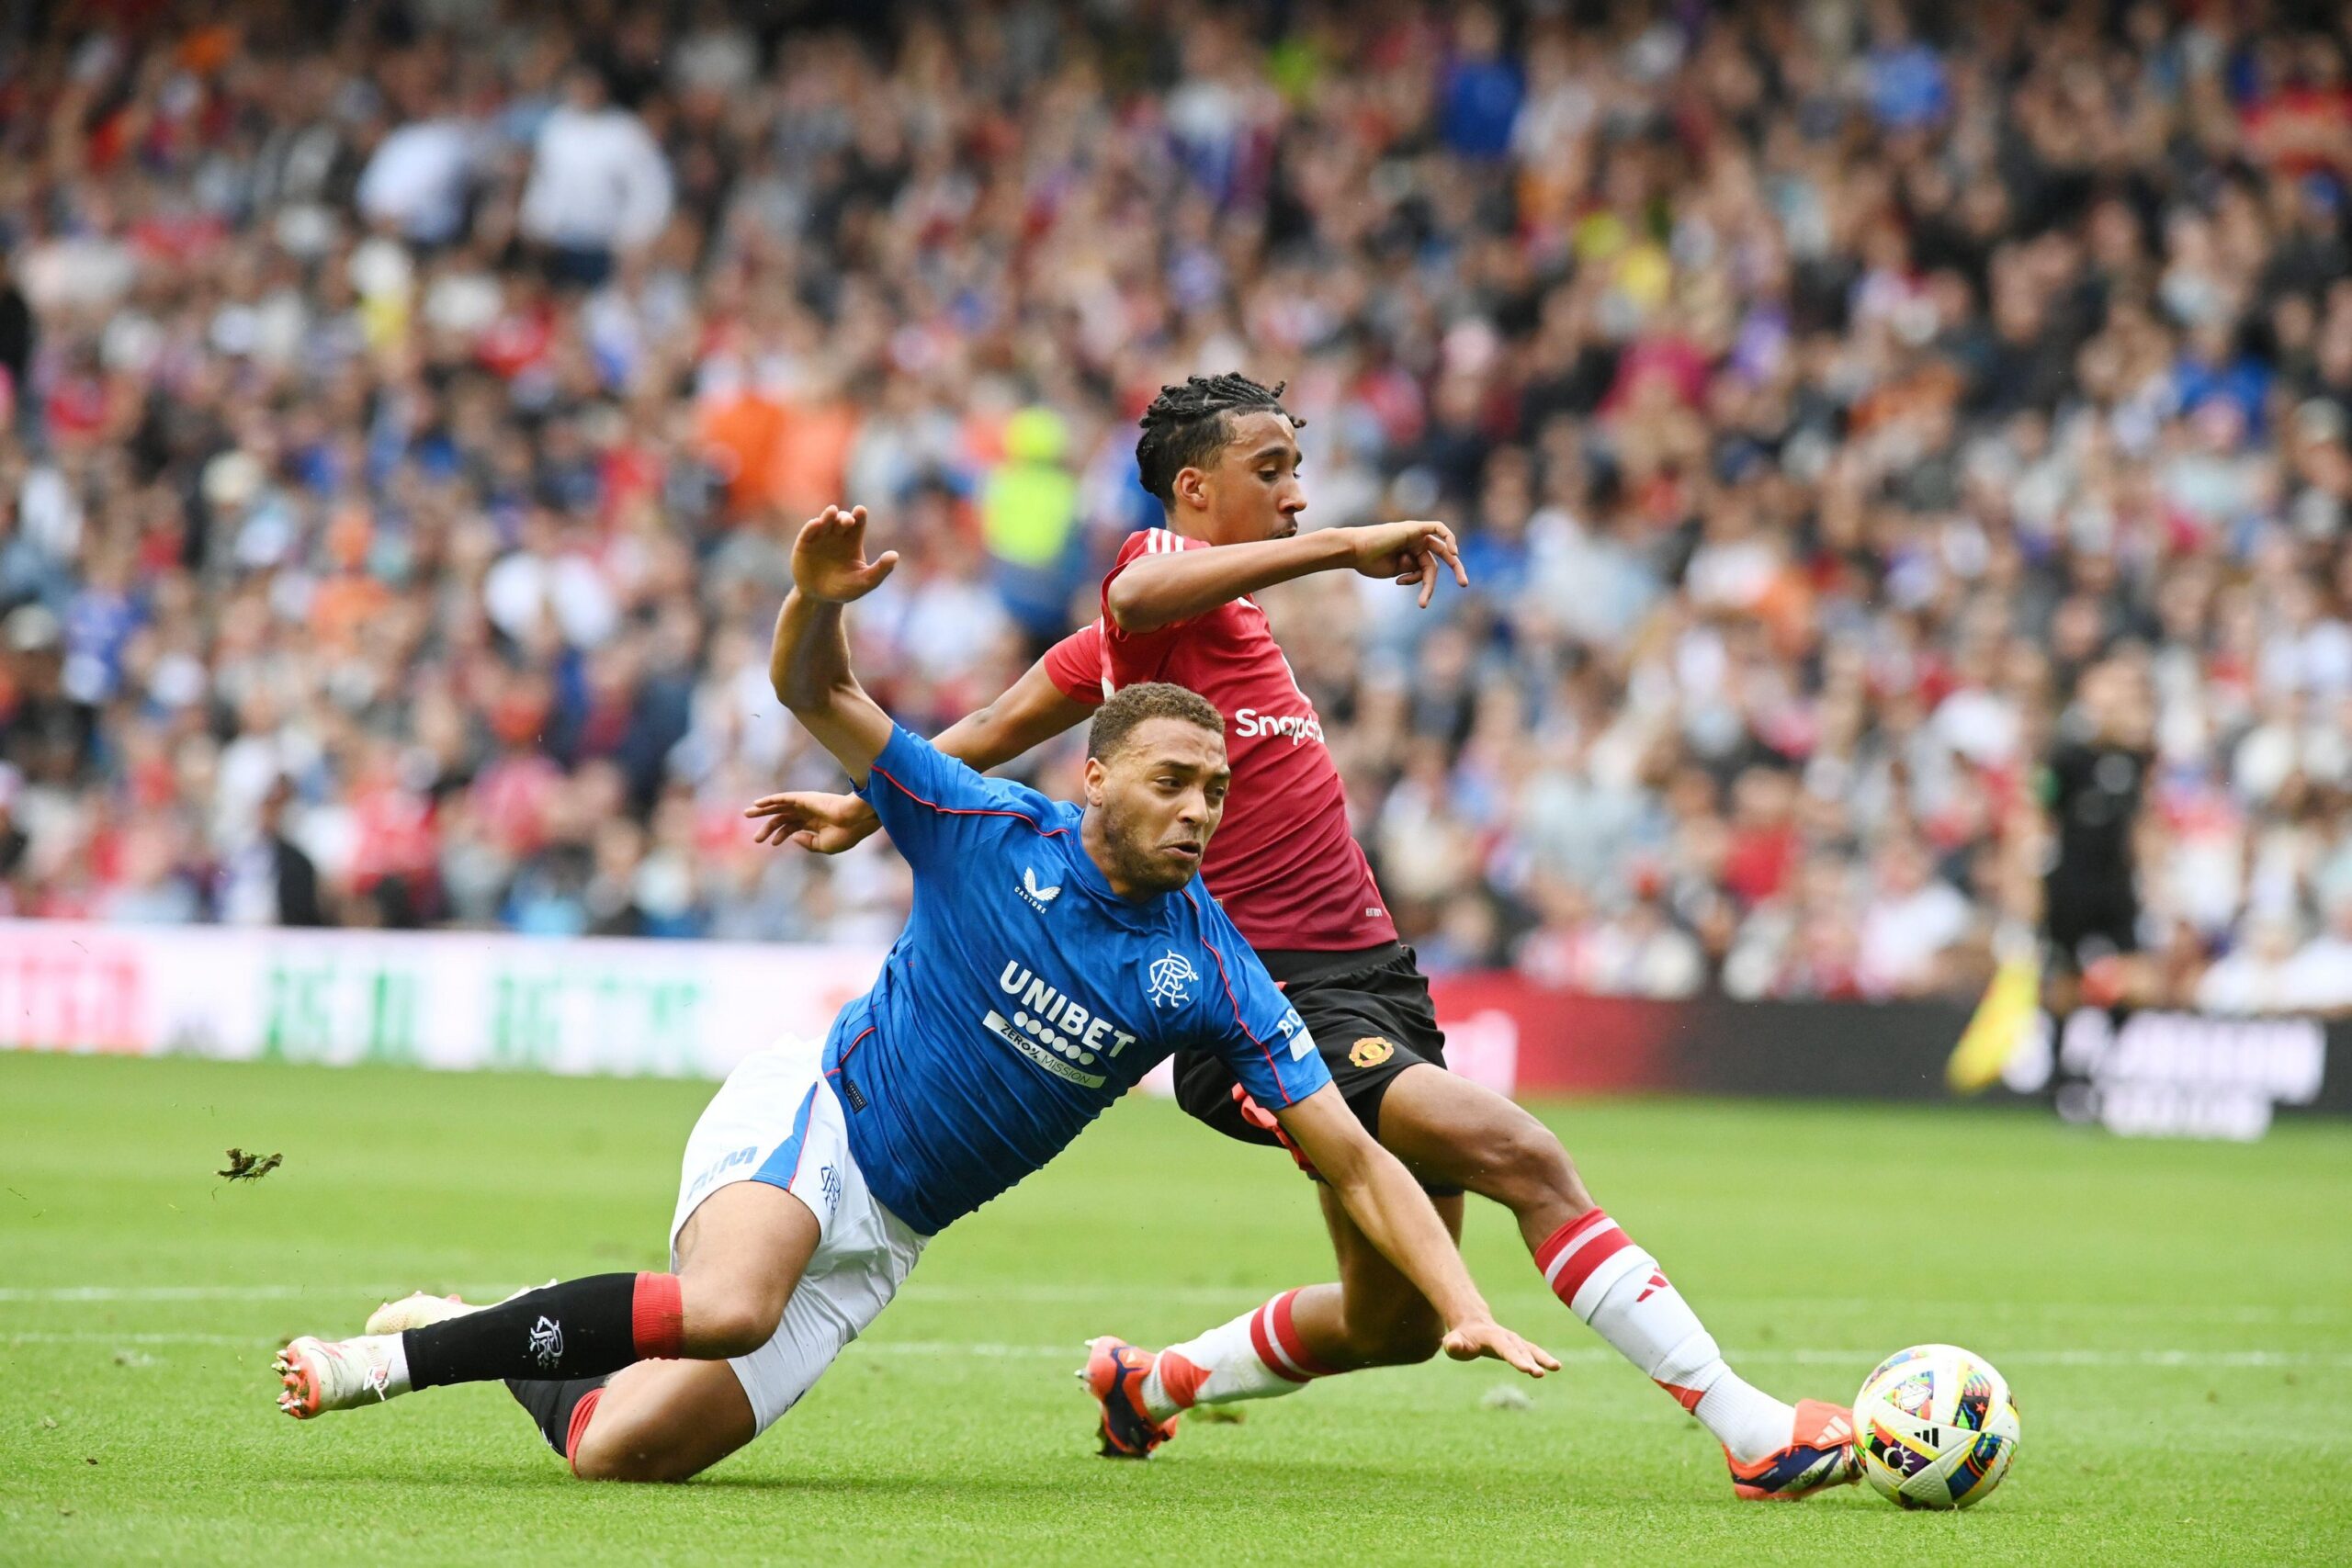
(775, 1120)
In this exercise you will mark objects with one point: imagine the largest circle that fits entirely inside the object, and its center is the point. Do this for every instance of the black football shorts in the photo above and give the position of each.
(1372, 1018)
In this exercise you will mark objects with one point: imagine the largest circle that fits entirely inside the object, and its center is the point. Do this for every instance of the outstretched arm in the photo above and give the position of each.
(1391, 1209)
(808, 661)
(1155, 591)
(1032, 711)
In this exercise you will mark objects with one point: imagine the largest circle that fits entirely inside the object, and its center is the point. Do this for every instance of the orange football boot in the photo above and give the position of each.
(1820, 1455)
(1114, 1374)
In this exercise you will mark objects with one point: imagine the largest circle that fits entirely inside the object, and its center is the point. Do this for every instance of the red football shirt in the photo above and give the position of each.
(1290, 874)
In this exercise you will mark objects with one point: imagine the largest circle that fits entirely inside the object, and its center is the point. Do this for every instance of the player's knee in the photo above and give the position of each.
(1527, 1165)
(727, 1323)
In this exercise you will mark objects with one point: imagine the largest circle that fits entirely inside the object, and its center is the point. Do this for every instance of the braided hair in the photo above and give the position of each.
(1186, 426)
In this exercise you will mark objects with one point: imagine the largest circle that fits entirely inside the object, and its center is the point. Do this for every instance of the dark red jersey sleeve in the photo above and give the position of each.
(1075, 664)
(1139, 655)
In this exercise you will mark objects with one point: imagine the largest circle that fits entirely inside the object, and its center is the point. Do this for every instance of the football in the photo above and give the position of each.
(1935, 1428)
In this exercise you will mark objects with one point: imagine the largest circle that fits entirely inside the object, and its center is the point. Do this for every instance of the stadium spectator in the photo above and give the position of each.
(270, 881)
(2258, 976)
(1911, 923)
(17, 338)
(1866, 424)
(1029, 520)
(599, 184)
(2318, 978)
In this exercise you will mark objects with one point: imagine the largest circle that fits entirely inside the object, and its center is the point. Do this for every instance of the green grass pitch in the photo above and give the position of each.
(2175, 1319)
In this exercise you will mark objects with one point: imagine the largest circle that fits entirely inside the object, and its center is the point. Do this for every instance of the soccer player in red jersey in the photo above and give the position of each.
(1222, 456)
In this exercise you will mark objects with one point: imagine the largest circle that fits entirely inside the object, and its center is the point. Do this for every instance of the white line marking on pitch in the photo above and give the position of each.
(1212, 1295)
(215, 1292)
(1590, 1357)
(2111, 1312)
(91, 1338)
(1209, 1295)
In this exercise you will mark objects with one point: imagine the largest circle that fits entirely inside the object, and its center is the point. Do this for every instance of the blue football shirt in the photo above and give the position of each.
(1024, 996)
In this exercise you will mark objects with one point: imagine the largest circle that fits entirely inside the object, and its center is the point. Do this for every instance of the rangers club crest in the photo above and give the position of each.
(1172, 980)
(546, 1341)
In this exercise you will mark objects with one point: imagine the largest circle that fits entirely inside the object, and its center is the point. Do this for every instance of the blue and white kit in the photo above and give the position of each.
(1024, 998)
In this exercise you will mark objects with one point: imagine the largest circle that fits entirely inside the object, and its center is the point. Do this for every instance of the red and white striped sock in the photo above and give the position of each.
(1257, 1356)
(1617, 1287)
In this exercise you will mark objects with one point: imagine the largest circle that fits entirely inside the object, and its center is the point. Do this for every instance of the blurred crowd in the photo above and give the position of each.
(1901, 453)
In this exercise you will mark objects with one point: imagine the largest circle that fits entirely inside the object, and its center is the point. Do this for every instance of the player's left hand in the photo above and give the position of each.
(1485, 1337)
(829, 559)
(823, 823)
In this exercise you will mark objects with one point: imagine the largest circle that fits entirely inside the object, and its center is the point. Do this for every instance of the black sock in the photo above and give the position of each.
(580, 1328)
(550, 1403)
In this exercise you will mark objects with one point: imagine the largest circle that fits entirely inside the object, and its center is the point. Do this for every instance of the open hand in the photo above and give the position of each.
(1408, 552)
(1483, 1336)
(827, 824)
(829, 559)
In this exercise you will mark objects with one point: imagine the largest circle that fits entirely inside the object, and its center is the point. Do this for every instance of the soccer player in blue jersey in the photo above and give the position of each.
(1054, 954)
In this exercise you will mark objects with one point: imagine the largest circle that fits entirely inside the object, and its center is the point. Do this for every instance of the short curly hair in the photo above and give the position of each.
(1122, 714)
(1187, 425)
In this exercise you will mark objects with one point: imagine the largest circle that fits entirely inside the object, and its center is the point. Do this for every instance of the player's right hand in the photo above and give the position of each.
(1485, 1337)
(1408, 552)
(828, 557)
(827, 824)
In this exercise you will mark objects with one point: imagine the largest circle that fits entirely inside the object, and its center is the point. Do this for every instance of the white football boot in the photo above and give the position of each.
(320, 1375)
(418, 1310)
(415, 1312)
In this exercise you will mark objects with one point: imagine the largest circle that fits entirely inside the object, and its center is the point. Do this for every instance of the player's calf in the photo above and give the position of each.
(579, 1328)
(1397, 1330)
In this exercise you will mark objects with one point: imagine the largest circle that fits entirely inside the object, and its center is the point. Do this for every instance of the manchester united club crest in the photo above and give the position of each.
(1371, 1051)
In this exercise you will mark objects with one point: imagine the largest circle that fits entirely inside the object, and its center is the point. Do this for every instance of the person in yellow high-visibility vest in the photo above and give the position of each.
(1029, 523)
